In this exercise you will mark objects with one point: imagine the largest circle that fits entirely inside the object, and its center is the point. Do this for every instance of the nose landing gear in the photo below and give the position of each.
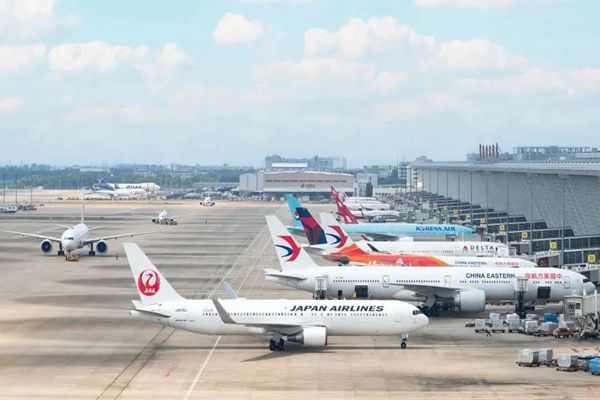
(404, 339)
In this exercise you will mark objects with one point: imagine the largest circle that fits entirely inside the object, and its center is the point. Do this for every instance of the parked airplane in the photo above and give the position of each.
(308, 322)
(466, 289)
(207, 202)
(124, 189)
(74, 238)
(350, 252)
(383, 231)
(164, 218)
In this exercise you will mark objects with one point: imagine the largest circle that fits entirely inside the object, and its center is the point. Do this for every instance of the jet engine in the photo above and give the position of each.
(102, 247)
(155, 220)
(472, 300)
(314, 336)
(46, 246)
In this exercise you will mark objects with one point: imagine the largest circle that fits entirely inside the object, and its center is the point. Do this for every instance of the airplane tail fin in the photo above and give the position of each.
(349, 218)
(314, 232)
(293, 205)
(150, 283)
(334, 230)
(289, 253)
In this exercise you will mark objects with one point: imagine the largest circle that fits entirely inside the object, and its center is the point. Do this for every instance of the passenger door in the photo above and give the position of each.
(447, 281)
(385, 281)
(567, 282)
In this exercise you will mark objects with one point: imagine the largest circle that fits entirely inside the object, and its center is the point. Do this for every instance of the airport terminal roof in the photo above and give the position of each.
(555, 168)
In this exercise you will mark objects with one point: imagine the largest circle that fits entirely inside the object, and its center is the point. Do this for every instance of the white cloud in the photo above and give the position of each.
(575, 82)
(130, 115)
(331, 76)
(359, 38)
(26, 18)
(472, 55)
(466, 3)
(235, 28)
(16, 59)
(97, 56)
(422, 106)
(164, 63)
(10, 104)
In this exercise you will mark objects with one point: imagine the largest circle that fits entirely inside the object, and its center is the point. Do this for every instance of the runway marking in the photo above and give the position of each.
(199, 374)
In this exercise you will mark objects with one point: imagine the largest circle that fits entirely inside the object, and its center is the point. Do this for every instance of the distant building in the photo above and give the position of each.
(301, 183)
(316, 163)
(554, 153)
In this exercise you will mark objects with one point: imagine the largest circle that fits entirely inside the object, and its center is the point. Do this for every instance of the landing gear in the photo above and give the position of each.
(276, 345)
(60, 252)
(403, 342)
(92, 252)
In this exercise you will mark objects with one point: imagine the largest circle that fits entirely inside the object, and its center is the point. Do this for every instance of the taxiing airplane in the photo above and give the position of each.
(164, 218)
(466, 289)
(307, 322)
(74, 238)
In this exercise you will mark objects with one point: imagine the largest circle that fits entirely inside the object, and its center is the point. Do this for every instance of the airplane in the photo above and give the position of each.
(164, 218)
(124, 189)
(382, 231)
(466, 289)
(307, 322)
(207, 202)
(74, 238)
(350, 252)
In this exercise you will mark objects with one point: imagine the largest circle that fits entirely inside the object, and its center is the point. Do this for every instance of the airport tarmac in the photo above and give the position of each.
(65, 331)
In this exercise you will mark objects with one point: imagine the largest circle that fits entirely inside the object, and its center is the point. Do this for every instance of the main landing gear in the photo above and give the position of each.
(60, 251)
(276, 345)
(91, 252)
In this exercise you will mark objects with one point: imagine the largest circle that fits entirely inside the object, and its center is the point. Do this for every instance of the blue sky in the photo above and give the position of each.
(211, 82)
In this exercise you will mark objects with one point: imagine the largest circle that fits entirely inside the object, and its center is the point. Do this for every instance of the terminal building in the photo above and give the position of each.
(311, 184)
(537, 207)
(316, 163)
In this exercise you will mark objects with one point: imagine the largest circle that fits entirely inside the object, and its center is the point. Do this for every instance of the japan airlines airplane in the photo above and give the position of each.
(74, 238)
(308, 322)
(465, 289)
(383, 231)
(330, 234)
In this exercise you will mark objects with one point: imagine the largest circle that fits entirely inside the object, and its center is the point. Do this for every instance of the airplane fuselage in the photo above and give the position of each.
(340, 318)
(74, 238)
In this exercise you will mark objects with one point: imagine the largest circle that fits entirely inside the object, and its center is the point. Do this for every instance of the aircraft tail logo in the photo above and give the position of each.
(148, 282)
(292, 250)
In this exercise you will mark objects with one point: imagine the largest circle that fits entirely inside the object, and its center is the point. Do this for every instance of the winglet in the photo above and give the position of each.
(225, 317)
(229, 290)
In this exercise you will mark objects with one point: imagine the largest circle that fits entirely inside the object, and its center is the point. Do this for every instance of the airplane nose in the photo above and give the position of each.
(422, 320)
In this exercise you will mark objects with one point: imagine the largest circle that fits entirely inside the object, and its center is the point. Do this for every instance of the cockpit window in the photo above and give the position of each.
(70, 238)
(417, 312)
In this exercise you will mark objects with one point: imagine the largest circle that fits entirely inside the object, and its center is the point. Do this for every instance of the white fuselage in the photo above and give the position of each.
(440, 248)
(360, 213)
(74, 238)
(499, 284)
(369, 205)
(339, 317)
(145, 187)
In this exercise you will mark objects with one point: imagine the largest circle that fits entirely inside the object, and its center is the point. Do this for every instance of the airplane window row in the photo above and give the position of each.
(417, 281)
(356, 281)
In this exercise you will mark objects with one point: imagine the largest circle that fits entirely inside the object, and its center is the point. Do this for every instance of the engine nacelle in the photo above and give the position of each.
(472, 300)
(155, 220)
(314, 336)
(46, 246)
(102, 247)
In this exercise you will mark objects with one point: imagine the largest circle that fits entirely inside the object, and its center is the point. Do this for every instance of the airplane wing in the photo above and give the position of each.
(273, 272)
(428, 290)
(94, 240)
(287, 329)
(97, 227)
(33, 235)
(151, 313)
(384, 237)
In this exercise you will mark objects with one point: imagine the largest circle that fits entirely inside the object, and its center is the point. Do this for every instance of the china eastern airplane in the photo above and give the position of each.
(465, 289)
(74, 238)
(382, 231)
(308, 322)
(329, 231)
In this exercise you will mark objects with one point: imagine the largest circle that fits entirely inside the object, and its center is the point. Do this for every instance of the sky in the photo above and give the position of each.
(212, 82)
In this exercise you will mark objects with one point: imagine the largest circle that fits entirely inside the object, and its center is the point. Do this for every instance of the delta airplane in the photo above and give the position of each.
(308, 322)
(74, 238)
(383, 231)
(164, 218)
(465, 289)
(350, 252)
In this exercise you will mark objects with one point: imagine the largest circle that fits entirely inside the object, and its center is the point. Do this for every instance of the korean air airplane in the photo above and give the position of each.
(465, 289)
(379, 231)
(307, 322)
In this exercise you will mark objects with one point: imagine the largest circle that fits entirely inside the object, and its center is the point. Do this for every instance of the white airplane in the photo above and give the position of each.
(164, 218)
(74, 238)
(337, 239)
(308, 322)
(466, 289)
(207, 202)
(124, 189)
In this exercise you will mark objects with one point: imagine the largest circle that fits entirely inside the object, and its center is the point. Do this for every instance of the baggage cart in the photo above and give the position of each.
(567, 362)
(480, 325)
(529, 358)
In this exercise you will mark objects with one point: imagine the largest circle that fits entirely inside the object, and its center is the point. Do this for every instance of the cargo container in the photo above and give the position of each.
(546, 356)
(480, 325)
(567, 361)
(513, 325)
(531, 317)
(529, 358)
(550, 317)
(594, 366)
(546, 328)
(497, 325)
(531, 327)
